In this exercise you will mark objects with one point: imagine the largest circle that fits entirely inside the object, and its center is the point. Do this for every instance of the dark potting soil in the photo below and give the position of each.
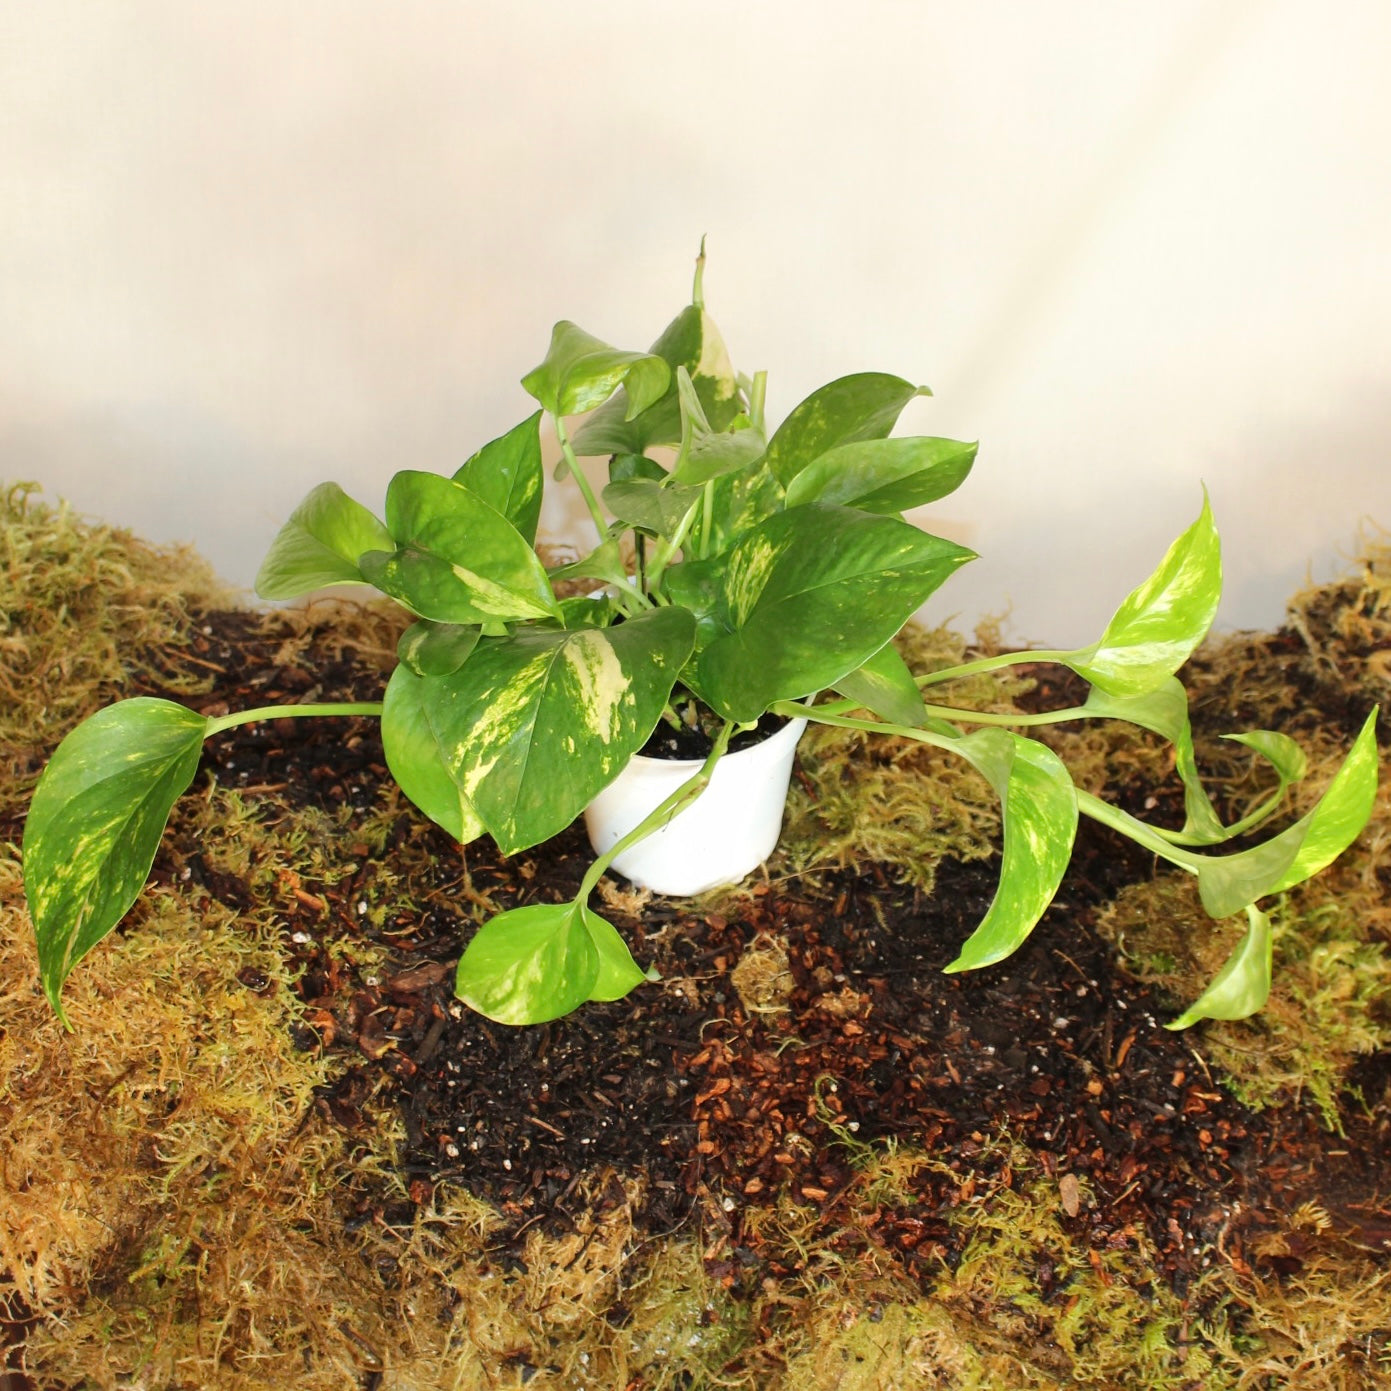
(721, 1108)
(692, 742)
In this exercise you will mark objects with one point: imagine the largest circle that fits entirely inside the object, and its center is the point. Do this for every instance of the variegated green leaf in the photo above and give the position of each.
(530, 964)
(864, 406)
(883, 475)
(811, 594)
(507, 474)
(691, 341)
(534, 726)
(1242, 986)
(1232, 882)
(436, 649)
(416, 760)
(457, 558)
(1157, 627)
(885, 686)
(95, 823)
(320, 545)
(581, 372)
(1040, 822)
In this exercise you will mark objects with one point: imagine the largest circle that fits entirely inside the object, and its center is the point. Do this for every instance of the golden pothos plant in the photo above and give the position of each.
(751, 570)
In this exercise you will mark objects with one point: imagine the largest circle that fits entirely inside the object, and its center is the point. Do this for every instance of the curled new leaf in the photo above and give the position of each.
(691, 341)
(1156, 629)
(1232, 882)
(95, 822)
(320, 545)
(1242, 986)
(581, 372)
(1039, 805)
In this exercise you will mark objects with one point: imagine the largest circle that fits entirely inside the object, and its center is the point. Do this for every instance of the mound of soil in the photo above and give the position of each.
(725, 1097)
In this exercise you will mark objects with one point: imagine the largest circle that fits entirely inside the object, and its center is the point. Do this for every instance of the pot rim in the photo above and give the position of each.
(798, 725)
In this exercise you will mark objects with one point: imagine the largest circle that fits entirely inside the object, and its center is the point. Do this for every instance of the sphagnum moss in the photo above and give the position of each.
(171, 1210)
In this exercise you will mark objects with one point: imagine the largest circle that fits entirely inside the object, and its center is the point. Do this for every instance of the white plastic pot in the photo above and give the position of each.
(726, 833)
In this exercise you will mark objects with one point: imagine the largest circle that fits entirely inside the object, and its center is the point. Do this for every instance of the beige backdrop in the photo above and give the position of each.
(244, 247)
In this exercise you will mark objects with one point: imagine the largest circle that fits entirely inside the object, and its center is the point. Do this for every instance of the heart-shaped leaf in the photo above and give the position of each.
(529, 965)
(320, 545)
(810, 595)
(1242, 986)
(581, 372)
(1040, 823)
(534, 726)
(507, 474)
(864, 406)
(884, 475)
(457, 558)
(1156, 629)
(95, 823)
(417, 761)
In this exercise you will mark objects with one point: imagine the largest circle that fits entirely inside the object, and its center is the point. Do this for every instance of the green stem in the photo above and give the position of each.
(984, 664)
(221, 723)
(698, 288)
(951, 712)
(590, 501)
(676, 803)
(819, 714)
(669, 547)
(757, 397)
(707, 519)
(1137, 831)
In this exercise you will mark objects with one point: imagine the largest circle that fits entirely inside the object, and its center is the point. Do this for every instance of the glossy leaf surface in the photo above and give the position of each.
(417, 761)
(95, 823)
(864, 406)
(457, 558)
(618, 972)
(811, 594)
(320, 545)
(1040, 823)
(530, 964)
(507, 474)
(1242, 986)
(534, 726)
(581, 372)
(1156, 629)
(885, 686)
(436, 649)
(884, 475)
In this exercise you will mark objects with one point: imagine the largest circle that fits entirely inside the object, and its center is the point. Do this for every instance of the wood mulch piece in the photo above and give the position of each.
(723, 1110)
